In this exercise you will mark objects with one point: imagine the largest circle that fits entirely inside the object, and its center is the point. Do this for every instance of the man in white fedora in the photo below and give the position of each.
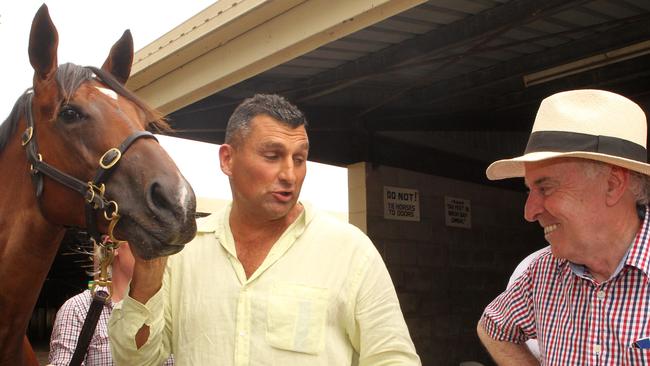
(586, 299)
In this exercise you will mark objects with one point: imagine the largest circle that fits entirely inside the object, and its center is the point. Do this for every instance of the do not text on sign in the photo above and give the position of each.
(401, 204)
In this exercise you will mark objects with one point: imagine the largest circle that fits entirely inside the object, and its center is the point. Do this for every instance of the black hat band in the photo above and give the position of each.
(560, 141)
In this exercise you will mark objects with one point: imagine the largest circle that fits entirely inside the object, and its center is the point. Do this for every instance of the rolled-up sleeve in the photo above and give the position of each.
(510, 317)
(126, 320)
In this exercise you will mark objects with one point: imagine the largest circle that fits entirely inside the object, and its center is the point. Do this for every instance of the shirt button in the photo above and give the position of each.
(597, 348)
(600, 294)
(242, 333)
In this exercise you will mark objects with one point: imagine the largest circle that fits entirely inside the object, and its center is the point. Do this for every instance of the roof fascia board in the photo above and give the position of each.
(215, 25)
(264, 34)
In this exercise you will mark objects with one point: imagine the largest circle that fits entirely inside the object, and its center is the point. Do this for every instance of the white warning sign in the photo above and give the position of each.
(458, 212)
(401, 204)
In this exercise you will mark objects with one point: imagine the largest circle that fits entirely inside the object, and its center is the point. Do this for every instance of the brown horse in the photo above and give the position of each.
(72, 121)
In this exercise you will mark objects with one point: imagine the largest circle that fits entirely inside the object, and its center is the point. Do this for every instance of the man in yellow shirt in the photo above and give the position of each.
(269, 280)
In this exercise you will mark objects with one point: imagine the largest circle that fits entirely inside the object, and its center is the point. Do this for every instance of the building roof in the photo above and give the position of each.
(439, 86)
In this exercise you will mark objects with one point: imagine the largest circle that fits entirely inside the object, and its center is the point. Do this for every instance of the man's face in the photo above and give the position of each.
(267, 168)
(568, 204)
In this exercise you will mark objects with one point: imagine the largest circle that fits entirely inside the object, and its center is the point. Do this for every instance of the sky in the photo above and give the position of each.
(87, 30)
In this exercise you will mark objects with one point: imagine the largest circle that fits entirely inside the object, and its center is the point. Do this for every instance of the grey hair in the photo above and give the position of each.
(272, 105)
(639, 183)
(639, 187)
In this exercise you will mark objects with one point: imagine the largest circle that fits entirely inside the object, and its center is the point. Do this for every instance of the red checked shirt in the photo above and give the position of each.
(576, 320)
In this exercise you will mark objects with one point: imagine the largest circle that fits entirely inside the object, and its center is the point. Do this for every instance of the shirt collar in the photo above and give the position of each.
(211, 223)
(637, 255)
(219, 225)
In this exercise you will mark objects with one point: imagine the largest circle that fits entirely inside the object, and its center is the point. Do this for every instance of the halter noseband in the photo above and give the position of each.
(92, 191)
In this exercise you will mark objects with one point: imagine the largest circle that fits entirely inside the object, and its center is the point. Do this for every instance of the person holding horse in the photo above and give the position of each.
(72, 314)
(585, 299)
(268, 280)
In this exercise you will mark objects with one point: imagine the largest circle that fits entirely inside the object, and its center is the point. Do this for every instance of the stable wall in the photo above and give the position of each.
(444, 275)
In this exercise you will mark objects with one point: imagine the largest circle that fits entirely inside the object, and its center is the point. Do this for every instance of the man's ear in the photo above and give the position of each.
(225, 159)
(618, 182)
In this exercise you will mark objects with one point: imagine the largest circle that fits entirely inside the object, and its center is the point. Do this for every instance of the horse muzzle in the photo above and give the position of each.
(163, 222)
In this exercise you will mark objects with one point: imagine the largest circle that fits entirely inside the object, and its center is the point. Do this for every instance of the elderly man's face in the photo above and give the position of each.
(567, 203)
(268, 168)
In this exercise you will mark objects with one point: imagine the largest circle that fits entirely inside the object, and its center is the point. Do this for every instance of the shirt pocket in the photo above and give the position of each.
(296, 318)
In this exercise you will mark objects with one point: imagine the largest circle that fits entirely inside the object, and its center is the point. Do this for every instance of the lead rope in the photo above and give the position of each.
(100, 297)
(90, 324)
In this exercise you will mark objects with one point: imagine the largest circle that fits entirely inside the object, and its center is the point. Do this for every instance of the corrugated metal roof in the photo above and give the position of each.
(535, 36)
(457, 64)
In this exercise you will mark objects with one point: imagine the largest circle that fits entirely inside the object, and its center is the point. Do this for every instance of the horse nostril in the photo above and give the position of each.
(158, 198)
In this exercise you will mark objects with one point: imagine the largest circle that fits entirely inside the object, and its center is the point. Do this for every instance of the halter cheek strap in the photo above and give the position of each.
(92, 191)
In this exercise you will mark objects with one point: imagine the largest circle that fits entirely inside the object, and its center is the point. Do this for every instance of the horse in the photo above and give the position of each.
(75, 151)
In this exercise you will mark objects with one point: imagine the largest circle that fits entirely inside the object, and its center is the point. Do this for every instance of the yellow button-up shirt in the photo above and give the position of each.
(322, 296)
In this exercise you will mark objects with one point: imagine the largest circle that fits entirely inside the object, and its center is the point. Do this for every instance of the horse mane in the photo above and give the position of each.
(69, 77)
(8, 127)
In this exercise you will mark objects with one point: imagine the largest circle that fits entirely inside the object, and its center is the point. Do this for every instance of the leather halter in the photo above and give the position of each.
(92, 191)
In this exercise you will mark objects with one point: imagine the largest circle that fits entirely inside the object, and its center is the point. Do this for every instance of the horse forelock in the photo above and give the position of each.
(155, 120)
(69, 78)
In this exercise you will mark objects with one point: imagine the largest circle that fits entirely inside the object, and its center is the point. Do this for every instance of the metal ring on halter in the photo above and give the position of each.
(92, 189)
(114, 214)
(31, 166)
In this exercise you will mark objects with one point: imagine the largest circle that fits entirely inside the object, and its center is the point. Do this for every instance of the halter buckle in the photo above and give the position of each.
(27, 135)
(110, 158)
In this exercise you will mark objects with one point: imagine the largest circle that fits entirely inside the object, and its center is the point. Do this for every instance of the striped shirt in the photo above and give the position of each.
(577, 320)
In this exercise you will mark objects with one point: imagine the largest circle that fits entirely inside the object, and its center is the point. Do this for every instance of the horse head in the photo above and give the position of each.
(84, 118)
(75, 152)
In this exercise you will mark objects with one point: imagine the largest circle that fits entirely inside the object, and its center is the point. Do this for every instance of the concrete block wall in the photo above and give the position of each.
(444, 275)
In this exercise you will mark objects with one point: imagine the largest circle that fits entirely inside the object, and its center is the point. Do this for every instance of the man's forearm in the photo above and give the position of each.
(506, 353)
(147, 278)
(146, 281)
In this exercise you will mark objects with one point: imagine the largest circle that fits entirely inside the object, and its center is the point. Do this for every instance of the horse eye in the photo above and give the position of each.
(69, 114)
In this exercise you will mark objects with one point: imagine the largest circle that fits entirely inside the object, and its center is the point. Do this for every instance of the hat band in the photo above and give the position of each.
(559, 141)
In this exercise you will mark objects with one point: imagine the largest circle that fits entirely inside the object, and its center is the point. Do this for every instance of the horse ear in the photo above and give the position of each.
(43, 44)
(119, 60)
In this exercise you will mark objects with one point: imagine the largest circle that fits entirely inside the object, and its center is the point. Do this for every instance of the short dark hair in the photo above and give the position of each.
(272, 105)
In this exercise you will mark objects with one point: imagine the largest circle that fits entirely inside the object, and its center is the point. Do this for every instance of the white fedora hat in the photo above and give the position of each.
(589, 124)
